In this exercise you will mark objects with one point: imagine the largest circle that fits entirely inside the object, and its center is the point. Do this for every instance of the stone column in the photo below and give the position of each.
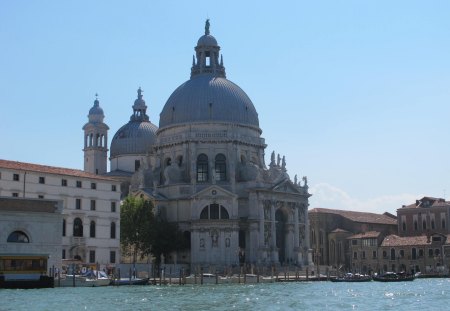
(273, 242)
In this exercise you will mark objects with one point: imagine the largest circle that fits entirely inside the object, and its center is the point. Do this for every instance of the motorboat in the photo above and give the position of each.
(350, 277)
(130, 281)
(91, 278)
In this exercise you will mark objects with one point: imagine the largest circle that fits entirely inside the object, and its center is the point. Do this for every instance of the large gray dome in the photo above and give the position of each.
(134, 138)
(206, 98)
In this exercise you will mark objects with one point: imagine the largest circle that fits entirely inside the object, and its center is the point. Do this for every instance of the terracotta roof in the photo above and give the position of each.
(358, 216)
(395, 240)
(368, 234)
(30, 167)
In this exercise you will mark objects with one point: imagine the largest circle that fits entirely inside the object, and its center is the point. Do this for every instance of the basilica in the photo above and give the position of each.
(204, 168)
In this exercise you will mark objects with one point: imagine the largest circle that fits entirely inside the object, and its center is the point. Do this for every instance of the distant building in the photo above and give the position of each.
(426, 216)
(332, 233)
(90, 224)
(426, 254)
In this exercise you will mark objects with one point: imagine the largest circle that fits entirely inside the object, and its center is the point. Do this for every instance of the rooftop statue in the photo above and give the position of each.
(207, 27)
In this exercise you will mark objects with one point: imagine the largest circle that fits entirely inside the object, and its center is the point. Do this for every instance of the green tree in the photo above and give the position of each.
(136, 222)
(141, 232)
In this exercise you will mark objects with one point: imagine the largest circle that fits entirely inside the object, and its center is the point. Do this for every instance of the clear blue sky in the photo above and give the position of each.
(355, 94)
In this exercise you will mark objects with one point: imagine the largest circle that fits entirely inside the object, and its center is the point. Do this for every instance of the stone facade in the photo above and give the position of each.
(204, 168)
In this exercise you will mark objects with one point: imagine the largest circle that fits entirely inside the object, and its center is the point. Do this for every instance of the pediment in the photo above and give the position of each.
(213, 192)
(148, 195)
(286, 186)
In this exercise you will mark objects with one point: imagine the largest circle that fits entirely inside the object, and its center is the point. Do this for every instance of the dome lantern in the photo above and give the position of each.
(207, 54)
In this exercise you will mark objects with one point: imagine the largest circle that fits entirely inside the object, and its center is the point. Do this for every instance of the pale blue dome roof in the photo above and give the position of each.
(138, 135)
(135, 137)
(206, 98)
(207, 40)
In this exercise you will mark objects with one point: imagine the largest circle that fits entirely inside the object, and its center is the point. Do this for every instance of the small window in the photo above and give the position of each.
(363, 256)
(16, 177)
(92, 205)
(113, 188)
(79, 184)
(355, 255)
(430, 253)
(420, 252)
(42, 180)
(64, 228)
(354, 242)
(374, 254)
(137, 165)
(113, 207)
(92, 229)
(112, 257)
(402, 253)
(64, 182)
(93, 185)
(77, 203)
(92, 256)
(40, 196)
(15, 194)
(384, 254)
(113, 230)
(63, 254)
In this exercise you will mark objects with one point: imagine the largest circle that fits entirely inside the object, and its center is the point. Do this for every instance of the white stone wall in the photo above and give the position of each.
(103, 196)
(43, 229)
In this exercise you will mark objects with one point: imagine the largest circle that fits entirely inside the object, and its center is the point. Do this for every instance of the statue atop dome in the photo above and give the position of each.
(207, 27)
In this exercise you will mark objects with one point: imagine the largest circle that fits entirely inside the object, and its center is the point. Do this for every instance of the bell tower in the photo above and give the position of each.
(95, 141)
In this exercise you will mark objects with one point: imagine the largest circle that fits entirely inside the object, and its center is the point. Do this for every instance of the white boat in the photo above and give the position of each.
(92, 278)
(208, 278)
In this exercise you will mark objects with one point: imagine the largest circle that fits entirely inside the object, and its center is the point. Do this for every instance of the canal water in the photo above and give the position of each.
(421, 294)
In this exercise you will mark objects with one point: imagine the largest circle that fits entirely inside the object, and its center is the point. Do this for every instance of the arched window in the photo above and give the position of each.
(202, 168)
(168, 162)
(90, 139)
(64, 228)
(432, 224)
(220, 167)
(113, 230)
(214, 211)
(415, 225)
(424, 225)
(77, 227)
(18, 237)
(224, 213)
(92, 229)
(404, 226)
(443, 223)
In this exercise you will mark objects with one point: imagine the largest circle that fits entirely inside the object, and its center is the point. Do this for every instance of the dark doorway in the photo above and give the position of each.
(281, 235)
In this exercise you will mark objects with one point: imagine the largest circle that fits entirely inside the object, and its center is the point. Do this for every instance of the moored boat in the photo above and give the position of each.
(92, 278)
(394, 277)
(130, 281)
(350, 277)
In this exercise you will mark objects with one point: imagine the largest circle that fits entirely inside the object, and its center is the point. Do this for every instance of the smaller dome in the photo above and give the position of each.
(96, 109)
(207, 40)
(134, 138)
